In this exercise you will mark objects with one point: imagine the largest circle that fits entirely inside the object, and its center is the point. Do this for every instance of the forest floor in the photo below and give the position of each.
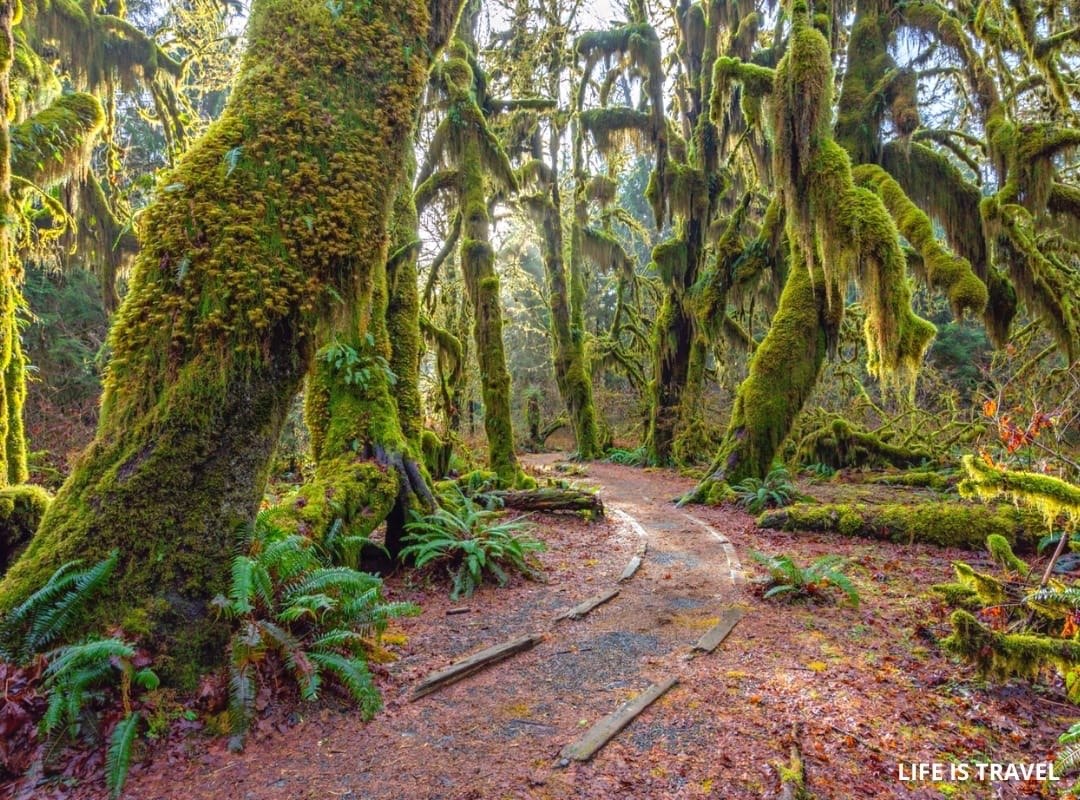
(868, 686)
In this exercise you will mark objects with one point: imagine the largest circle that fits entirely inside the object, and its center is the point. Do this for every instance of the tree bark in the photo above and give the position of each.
(270, 224)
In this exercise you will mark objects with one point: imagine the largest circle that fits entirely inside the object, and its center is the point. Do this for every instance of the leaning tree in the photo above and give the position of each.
(263, 260)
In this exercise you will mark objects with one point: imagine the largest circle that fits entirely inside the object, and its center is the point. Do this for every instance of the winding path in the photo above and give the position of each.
(501, 733)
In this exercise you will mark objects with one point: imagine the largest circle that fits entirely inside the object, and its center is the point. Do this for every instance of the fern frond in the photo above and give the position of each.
(353, 674)
(118, 757)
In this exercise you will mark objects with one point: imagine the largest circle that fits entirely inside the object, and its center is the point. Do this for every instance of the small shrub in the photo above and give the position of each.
(787, 578)
(775, 491)
(472, 541)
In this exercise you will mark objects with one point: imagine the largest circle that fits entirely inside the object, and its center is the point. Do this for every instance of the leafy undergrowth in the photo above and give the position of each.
(869, 686)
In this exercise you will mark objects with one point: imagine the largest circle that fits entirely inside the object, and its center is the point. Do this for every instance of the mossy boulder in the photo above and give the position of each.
(947, 524)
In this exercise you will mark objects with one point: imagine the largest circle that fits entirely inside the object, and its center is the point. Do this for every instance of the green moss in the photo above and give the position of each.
(941, 523)
(268, 223)
(21, 510)
(928, 479)
(1008, 655)
(55, 144)
(1002, 554)
(958, 595)
(1051, 496)
(841, 444)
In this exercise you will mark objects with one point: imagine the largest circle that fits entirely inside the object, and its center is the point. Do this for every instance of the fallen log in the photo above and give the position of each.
(608, 728)
(550, 499)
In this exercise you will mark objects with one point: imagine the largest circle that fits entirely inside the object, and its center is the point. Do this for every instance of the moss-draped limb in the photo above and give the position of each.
(239, 267)
(840, 444)
(950, 273)
(1008, 655)
(100, 242)
(54, 145)
(1051, 496)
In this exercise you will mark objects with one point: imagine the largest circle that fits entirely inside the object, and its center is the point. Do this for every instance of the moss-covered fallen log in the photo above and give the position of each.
(945, 524)
(841, 444)
(551, 500)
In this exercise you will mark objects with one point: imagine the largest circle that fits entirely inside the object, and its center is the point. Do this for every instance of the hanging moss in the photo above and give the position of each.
(842, 445)
(616, 127)
(268, 222)
(638, 41)
(21, 510)
(942, 270)
(947, 524)
(1052, 496)
(55, 145)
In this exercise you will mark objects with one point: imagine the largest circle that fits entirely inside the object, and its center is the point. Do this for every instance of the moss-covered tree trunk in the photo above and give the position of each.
(272, 226)
(783, 372)
(482, 284)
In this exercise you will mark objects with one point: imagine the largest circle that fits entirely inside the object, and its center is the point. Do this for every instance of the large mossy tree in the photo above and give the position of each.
(267, 245)
(851, 197)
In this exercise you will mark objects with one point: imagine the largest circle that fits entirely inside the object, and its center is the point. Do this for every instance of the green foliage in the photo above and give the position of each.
(48, 613)
(787, 577)
(289, 599)
(638, 457)
(355, 367)
(473, 542)
(775, 491)
(1069, 758)
(819, 470)
(79, 673)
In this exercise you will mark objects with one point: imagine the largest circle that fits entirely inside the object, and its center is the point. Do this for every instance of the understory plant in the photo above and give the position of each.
(789, 579)
(775, 491)
(95, 675)
(472, 541)
(296, 610)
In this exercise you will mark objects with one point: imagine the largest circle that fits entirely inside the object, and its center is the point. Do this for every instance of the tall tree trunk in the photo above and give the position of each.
(783, 372)
(482, 284)
(271, 226)
(13, 466)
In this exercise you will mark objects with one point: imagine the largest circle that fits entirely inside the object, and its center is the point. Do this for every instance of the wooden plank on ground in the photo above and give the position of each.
(718, 632)
(631, 568)
(606, 729)
(475, 663)
(583, 608)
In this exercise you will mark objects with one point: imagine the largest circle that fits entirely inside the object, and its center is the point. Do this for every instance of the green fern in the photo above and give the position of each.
(118, 756)
(473, 542)
(775, 491)
(788, 578)
(318, 617)
(638, 457)
(49, 612)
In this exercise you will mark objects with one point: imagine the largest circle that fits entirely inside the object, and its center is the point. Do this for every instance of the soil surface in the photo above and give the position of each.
(868, 686)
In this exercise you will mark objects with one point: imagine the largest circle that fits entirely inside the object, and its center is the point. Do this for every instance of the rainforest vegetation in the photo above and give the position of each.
(328, 327)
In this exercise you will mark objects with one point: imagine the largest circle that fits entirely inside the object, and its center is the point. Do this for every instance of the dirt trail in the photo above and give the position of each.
(498, 734)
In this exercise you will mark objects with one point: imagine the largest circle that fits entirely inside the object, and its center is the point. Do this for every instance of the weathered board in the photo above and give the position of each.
(606, 729)
(583, 608)
(630, 569)
(718, 632)
(475, 663)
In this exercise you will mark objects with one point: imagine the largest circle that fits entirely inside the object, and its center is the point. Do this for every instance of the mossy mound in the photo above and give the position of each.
(944, 524)
(21, 510)
(925, 479)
